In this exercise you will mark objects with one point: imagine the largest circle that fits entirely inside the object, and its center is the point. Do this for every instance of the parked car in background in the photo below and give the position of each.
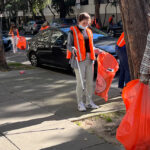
(33, 27)
(116, 30)
(63, 22)
(7, 42)
(50, 46)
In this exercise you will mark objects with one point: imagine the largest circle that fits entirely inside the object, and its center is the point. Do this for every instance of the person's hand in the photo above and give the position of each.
(98, 51)
(74, 51)
(93, 61)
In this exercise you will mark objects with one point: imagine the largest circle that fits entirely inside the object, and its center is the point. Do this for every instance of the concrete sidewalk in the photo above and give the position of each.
(36, 110)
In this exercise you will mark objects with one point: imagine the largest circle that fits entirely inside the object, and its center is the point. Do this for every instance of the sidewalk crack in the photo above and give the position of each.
(3, 135)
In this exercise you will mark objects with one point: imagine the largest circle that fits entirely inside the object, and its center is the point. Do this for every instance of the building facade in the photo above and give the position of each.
(106, 10)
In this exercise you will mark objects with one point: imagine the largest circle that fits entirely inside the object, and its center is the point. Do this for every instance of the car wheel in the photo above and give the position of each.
(34, 59)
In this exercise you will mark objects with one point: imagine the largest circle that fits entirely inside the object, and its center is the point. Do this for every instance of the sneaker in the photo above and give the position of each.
(91, 105)
(81, 106)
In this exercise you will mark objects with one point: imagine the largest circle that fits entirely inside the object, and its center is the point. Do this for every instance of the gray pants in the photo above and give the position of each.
(14, 43)
(87, 70)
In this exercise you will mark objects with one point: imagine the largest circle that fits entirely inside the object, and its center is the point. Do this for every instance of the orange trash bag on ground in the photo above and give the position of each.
(107, 68)
(22, 43)
(134, 130)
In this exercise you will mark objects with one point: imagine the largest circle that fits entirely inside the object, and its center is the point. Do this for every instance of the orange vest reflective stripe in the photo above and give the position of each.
(44, 28)
(121, 41)
(79, 44)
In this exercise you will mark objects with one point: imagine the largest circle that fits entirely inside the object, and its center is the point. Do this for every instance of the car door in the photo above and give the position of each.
(58, 44)
(44, 50)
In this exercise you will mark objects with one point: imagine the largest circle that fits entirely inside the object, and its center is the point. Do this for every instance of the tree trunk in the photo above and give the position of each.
(135, 23)
(105, 14)
(31, 8)
(3, 64)
(97, 13)
(116, 14)
(62, 9)
(42, 14)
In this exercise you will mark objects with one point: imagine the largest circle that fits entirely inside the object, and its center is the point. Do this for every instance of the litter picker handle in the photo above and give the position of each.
(80, 73)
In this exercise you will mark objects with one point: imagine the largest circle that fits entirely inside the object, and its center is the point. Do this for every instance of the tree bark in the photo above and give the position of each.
(105, 14)
(97, 13)
(42, 14)
(135, 24)
(62, 9)
(3, 64)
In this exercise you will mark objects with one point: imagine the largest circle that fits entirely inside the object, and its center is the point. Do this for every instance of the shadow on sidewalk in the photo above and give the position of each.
(44, 93)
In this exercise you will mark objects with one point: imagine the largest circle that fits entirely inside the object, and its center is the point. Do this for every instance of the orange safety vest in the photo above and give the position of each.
(12, 33)
(44, 28)
(94, 22)
(79, 44)
(111, 19)
(121, 41)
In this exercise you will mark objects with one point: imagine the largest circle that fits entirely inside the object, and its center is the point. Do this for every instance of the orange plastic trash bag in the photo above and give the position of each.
(134, 130)
(22, 43)
(107, 68)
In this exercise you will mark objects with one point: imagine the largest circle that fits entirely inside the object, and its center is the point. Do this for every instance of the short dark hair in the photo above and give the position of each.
(113, 15)
(84, 16)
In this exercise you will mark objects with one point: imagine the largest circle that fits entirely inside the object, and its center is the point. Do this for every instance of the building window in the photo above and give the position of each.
(82, 2)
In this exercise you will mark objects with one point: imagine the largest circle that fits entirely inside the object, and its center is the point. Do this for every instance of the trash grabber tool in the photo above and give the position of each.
(82, 82)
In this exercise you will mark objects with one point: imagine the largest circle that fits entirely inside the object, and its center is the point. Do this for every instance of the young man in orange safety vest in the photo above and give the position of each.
(124, 77)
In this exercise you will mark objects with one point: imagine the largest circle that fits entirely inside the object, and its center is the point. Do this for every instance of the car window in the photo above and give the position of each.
(39, 22)
(70, 21)
(46, 35)
(57, 36)
(43, 38)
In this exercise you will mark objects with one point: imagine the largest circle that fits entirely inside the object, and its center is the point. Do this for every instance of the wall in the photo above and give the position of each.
(91, 10)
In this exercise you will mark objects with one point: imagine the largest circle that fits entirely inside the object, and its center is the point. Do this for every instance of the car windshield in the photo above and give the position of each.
(70, 21)
(96, 33)
(39, 22)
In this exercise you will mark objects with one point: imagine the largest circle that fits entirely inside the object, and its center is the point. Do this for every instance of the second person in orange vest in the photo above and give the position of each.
(81, 37)
(45, 26)
(15, 35)
(95, 23)
(124, 77)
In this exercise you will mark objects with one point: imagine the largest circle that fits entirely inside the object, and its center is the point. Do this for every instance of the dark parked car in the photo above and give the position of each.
(116, 29)
(63, 22)
(33, 26)
(7, 42)
(49, 46)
